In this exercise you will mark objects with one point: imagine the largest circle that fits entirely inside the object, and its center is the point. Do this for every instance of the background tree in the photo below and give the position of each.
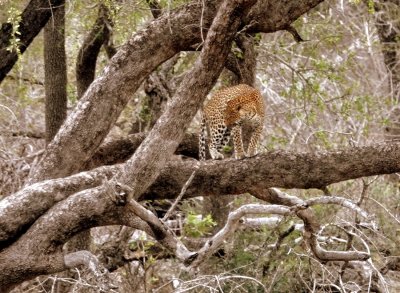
(55, 71)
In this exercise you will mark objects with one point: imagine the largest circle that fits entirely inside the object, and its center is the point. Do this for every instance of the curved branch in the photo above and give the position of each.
(39, 250)
(344, 202)
(311, 225)
(231, 224)
(88, 53)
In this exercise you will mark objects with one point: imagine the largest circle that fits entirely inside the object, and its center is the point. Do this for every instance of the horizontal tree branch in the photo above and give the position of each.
(213, 178)
(285, 169)
(98, 205)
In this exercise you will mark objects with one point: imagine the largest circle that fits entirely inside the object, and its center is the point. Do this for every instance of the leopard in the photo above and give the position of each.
(223, 116)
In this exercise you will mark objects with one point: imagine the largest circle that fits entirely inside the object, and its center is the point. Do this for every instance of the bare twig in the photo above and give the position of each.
(184, 188)
(161, 231)
(311, 225)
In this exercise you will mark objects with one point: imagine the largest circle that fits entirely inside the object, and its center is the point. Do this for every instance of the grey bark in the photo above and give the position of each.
(143, 167)
(242, 65)
(274, 169)
(38, 250)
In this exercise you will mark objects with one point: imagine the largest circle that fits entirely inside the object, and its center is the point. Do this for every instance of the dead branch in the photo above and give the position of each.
(338, 201)
(311, 226)
(233, 219)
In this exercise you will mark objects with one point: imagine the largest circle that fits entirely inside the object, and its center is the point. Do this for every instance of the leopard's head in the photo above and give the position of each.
(236, 111)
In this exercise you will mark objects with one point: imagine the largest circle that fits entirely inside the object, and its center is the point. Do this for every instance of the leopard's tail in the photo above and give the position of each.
(202, 138)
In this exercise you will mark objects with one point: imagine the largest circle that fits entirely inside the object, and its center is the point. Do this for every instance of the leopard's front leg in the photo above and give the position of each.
(236, 134)
(215, 146)
(255, 139)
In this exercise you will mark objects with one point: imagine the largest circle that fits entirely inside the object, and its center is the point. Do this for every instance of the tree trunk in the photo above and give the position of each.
(55, 72)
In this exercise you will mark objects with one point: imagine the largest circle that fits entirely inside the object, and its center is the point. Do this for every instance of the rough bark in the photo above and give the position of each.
(243, 63)
(143, 167)
(33, 19)
(38, 250)
(55, 72)
(87, 126)
(88, 53)
(155, 8)
(120, 150)
(275, 169)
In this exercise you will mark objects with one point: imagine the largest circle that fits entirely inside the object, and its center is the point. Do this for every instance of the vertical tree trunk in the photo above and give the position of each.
(55, 72)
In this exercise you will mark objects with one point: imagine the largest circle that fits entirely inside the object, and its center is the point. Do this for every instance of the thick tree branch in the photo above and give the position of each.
(96, 206)
(120, 150)
(39, 250)
(276, 169)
